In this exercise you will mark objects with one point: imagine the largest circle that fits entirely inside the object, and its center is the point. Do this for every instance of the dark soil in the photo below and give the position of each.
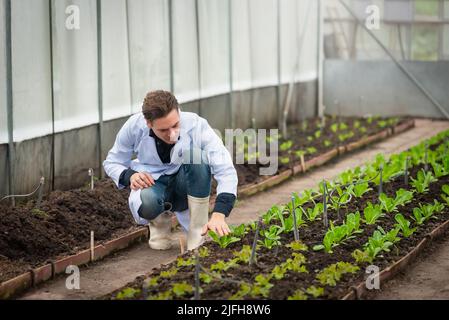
(61, 226)
(311, 234)
(248, 174)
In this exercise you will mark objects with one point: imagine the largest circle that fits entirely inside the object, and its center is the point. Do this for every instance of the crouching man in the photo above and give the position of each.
(175, 155)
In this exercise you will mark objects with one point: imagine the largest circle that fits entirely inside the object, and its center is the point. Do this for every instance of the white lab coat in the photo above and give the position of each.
(195, 132)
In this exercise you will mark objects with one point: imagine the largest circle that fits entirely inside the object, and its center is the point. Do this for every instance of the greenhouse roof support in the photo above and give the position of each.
(400, 65)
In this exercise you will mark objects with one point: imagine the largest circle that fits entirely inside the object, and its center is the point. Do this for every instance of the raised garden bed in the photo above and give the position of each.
(58, 233)
(327, 262)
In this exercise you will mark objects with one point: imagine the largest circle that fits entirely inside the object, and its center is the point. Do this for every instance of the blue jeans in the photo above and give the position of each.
(191, 179)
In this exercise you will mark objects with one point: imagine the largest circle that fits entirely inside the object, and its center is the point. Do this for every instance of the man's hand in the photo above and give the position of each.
(217, 224)
(141, 180)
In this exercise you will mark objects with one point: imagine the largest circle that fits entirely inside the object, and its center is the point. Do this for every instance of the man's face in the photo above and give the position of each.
(167, 128)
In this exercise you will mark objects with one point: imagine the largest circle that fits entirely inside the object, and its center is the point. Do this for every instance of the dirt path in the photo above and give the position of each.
(426, 278)
(124, 267)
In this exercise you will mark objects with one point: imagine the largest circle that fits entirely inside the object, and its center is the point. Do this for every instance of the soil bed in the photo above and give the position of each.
(310, 234)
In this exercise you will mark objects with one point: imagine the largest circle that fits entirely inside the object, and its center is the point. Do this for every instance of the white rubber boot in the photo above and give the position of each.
(160, 231)
(199, 216)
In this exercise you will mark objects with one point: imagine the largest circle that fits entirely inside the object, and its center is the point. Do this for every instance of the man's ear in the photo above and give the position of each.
(149, 124)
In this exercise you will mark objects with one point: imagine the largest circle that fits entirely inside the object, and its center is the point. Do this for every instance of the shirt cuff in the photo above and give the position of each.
(224, 203)
(125, 177)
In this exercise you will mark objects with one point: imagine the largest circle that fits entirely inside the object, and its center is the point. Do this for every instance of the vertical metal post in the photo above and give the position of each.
(295, 226)
(170, 45)
(251, 51)
(128, 36)
(278, 39)
(9, 100)
(325, 193)
(100, 89)
(198, 49)
(197, 276)
(52, 156)
(320, 59)
(231, 66)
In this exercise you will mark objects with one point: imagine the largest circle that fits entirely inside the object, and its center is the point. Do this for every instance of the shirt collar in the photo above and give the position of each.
(153, 135)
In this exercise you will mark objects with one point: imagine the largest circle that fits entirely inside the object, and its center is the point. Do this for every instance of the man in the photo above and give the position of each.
(176, 155)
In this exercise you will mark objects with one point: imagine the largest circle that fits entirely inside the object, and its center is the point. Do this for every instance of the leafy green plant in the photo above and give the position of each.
(422, 181)
(335, 235)
(127, 293)
(239, 231)
(181, 289)
(185, 263)
(169, 273)
(317, 134)
(221, 265)
(284, 160)
(404, 225)
(297, 246)
(332, 274)
(315, 292)
(445, 195)
(382, 124)
(439, 170)
(164, 295)
(271, 237)
(425, 212)
(391, 204)
(311, 150)
(360, 189)
(378, 242)
(299, 153)
(334, 127)
(353, 223)
(244, 254)
(223, 241)
(372, 213)
(315, 213)
(286, 145)
(203, 252)
(244, 290)
(261, 286)
(295, 265)
(327, 143)
(298, 295)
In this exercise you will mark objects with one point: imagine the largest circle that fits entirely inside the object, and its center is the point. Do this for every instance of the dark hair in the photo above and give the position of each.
(158, 104)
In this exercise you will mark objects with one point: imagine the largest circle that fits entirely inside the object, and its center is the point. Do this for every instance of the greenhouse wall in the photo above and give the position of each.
(359, 87)
(88, 78)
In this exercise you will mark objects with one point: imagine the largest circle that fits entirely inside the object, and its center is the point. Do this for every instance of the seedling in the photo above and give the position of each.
(422, 181)
(223, 241)
(445, 195)
(391, 204)
(404, 225)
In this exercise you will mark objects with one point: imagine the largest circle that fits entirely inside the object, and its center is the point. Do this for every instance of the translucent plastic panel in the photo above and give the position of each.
(308, 20)
(116, 84)
(289, 40)
(31, 68)
(263, 42)
(446, 42)
(214, 44)
(185, 53)
(75, 64)
(446, 9)
(241, 54)
(149, 47)
(3, 115)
